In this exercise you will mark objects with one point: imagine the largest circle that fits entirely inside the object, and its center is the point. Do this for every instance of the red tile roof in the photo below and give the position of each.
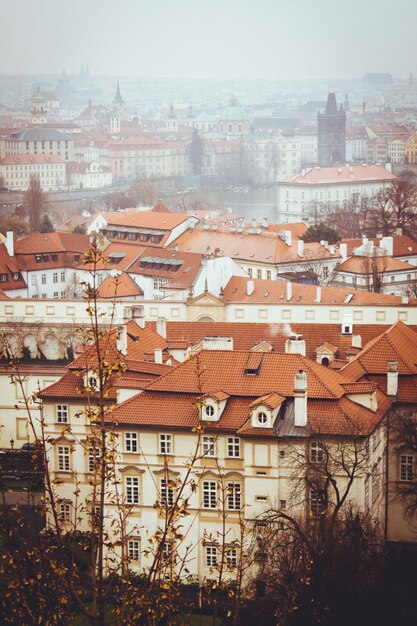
(119, 287)
(340, 175)
(171, 402)
(364, 265)
(275, 291)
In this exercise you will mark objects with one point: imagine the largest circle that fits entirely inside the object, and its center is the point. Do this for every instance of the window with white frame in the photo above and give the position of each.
(64, 458)
(211, 556)
(64, 511)
(209, 411)
(131, 442)
(234, 496)
(167, 492)
(132, 489)
(167, 552)
(62, 413)
(55, 277)
(209, 445)
(133, 549)
(231, 558)
(406, 467)
(93, 458)
(317, 502)
(62, 277)
(43, 279)
(316, 452)
(233, 447)
(165, 444)
(262, 418)
(209, 494)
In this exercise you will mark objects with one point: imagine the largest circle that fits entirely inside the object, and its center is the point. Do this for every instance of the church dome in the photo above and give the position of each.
(233, 112)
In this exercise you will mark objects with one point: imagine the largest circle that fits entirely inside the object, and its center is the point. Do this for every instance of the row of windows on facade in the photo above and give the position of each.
(44, 258)
(4, 276)
(166, 444)
(212, 552)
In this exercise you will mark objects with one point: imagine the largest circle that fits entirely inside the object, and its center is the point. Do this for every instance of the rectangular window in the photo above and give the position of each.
(132, 490)
(131, 442)
(211, 556)
(133, 549)
(64, 512)
(316, 452)
(233, 447)
(268, 274)
(282, 505)
(56, 295)
(406, 467)
(259, 273)
(231, 558)
(63, 458)
(209, 446)
(209, 494)
(167, 493)
(165, 444)
(62, 277)
(250, 272)
(234, 496)
(55, 277)
(93, 459)
(43, 279)
(317, 503)
(62, 413)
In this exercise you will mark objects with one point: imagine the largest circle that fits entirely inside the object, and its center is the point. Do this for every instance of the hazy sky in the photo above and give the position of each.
(210, 38)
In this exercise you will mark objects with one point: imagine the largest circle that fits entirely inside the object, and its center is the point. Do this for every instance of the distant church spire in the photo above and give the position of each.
(118, 97)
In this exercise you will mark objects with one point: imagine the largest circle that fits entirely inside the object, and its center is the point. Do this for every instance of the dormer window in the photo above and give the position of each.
(209, 411)
(261, 417)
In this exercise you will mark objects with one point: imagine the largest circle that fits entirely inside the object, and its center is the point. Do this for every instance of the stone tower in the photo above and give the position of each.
(331, 140)
(38, 109)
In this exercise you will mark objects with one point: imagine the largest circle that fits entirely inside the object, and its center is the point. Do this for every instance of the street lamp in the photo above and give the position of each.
(11, 443)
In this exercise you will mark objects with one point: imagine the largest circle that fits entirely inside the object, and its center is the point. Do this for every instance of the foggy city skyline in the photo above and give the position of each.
(185, 39)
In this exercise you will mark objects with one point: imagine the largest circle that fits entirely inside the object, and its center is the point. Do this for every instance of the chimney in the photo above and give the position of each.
(265, 222)
(300, 245)
(343, 251)
(295, 344)
(399, 232)
(9, 243)
(254, 224)
(318, 294)
(161, 327)
(288, 237)
(392, 378)
(140, 322)
(300, 399)
(289, 291)
(250, 287)
(387, 243)
(158, 355)
(404, 300)
(121, 340)
(356, 341)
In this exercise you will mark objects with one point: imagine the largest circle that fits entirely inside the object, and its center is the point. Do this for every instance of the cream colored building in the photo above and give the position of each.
(17, 170)
(242, 423)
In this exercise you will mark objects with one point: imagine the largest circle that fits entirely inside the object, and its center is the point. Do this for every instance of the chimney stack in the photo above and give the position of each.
(9, 243)
(392, 378)
(121, 340)
(300, 244)
(343, 251)
(161, 327)
(250, 287)
(300, 399)
(289, 291)
(265, 222)
(318, 294)
(158, 355)
(295, 344)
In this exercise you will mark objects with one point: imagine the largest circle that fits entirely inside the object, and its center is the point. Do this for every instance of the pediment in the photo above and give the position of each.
(205, 299)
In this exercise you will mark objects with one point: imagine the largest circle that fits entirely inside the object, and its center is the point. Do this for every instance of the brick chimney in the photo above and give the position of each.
(161, 327)
(392, 378)
(121, 340)
(300, 399)
(295, 344)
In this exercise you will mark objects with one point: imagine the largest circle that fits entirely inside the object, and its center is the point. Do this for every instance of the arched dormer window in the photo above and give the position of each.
(212, 406)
